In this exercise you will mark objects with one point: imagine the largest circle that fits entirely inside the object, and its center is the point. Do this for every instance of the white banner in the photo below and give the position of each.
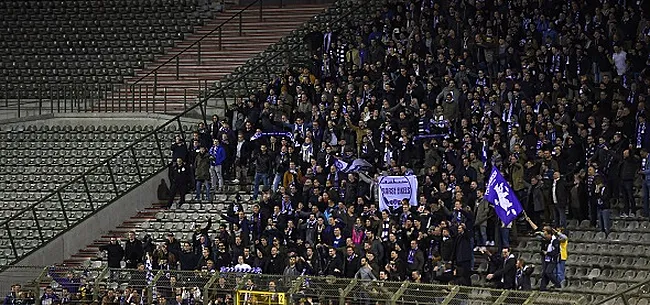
(392, 189)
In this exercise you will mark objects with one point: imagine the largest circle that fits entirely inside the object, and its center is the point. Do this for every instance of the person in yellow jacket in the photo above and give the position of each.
(564, 255)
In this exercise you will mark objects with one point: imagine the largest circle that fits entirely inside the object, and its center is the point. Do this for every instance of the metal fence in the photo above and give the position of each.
(104, 182)
(196, 287)
(21, 101)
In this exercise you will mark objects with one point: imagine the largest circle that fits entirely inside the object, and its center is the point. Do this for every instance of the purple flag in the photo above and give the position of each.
(501, 195)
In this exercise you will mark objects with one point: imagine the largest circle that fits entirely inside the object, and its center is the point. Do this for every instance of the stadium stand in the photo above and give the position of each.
(509, 90)
(192, 66)
(41, 163)
(87, 42)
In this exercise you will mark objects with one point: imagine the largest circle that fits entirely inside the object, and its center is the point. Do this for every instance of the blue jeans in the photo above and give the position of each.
(505, 237)
(604, 222)
(199, 188)
(559, 270)
(645, 190)
(481, 235)
(276, 182)
(259, 178)
(548, 275)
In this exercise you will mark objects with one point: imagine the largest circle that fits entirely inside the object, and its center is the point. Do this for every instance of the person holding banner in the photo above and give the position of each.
(550, 254)
(505, 202)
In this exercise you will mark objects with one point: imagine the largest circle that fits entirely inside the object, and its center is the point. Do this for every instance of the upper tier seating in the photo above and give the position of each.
(86, 42)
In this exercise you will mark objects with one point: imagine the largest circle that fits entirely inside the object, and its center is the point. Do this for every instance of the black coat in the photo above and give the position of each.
(180, 174)
(115, 254)
(629, 168)
(334, 266)
(560, 192)
(522, 278)
(447, 248)
(275, 265)
(188, 260)
(506, 274)
(179, 151)
(463, 251)
(264, 163)
(133, 253)
(352, 266)
(245, 152)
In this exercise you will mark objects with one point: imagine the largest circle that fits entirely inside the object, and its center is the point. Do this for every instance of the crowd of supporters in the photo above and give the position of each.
(551, 92)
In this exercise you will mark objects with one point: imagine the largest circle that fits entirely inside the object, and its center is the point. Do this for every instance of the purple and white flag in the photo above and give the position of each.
(501, 195)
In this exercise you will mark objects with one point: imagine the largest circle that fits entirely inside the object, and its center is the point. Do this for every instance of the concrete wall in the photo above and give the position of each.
(90, 118)
(83, 234)
(286, 2)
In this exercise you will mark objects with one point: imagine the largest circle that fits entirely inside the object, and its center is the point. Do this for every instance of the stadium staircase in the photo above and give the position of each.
(91, 252)
(156, 221)
(171, 88)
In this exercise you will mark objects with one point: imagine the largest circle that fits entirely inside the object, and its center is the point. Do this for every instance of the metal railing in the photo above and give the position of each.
(220, 288)
(63, 98)
(191, 48)
(626, 296)
(105, 182)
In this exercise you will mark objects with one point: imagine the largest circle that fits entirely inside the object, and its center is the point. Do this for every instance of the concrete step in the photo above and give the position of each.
(219, 57)
(91, 251)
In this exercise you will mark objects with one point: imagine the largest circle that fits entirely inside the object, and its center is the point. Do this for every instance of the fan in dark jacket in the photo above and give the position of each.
(115, 253)
(463, 254)
(180, 177)
(505, 276)
(334, 264)
(133, 251)
(276, 262)
(186, 257)
(522, 276)
(629, 170)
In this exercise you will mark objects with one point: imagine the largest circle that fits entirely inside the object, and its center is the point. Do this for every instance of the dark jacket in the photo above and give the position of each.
(447, 248)
(603, 196)
(463, 251)
(179, 151)
(180, 174)
(334, 266)
(115, 254)
(188, 260)
(202, 166)
(352, 265)
(275, 265)
(418, 260)
(522, 278)
(560, 193)
(263, 163)
(506, 274)
(133, 253)
(629, 168)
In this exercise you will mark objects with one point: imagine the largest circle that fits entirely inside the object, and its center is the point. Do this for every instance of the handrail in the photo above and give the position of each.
(623, 292)
(199, 40)
(23, 104)
(176, 119)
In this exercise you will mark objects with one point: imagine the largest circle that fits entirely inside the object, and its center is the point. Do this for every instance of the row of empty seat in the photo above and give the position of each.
(38, 160)
(86, 42)
(75, 4)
